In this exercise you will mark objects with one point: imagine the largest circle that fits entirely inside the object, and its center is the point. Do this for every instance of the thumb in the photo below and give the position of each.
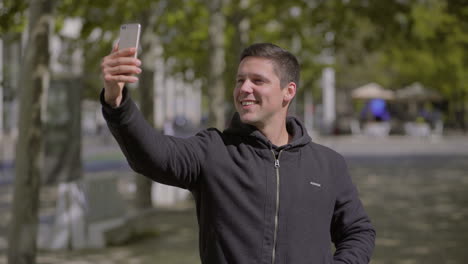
(115, 48)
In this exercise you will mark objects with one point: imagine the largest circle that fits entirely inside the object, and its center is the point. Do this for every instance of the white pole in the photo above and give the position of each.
(309, 112)
(159, 93)
(328, 86)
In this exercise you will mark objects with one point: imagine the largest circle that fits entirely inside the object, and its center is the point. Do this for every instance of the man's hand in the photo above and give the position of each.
(117, 69)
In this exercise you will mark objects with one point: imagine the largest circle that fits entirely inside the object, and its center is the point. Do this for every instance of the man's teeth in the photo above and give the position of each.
(248, 103)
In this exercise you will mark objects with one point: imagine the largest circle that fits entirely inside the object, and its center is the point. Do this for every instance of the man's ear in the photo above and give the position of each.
(289, 92)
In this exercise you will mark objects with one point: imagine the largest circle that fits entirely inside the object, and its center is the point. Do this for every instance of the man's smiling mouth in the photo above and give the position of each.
(245, 103)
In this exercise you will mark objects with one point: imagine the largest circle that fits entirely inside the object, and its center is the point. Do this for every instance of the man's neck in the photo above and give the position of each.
(276, 133)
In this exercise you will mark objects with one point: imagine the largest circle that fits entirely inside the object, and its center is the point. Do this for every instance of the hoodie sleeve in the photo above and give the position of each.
(165, 159)
(351, 229)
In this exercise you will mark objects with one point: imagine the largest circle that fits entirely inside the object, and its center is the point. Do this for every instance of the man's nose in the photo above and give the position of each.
(246, 87)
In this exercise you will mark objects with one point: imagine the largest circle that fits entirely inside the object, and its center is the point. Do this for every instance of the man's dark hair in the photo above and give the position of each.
(285, 64)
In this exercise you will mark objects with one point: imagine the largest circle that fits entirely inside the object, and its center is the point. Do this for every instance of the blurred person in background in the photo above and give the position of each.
(264, 192)
(375, 110)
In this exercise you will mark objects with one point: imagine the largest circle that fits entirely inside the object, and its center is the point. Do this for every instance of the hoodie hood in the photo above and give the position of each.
(294, 127)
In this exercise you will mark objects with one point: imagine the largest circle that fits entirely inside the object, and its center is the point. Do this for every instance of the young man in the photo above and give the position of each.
(264, 192)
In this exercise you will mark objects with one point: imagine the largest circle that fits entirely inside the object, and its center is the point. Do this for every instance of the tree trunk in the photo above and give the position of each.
(143, 184)
(241, 24)
(216, 88)
(62, 148)
(1, 89)
(463, 117)
(239, 41)
(146, 87)
(73, 168)
(11, 57)
(29, 154)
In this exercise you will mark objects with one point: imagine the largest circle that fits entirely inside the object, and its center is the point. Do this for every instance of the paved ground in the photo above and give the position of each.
(414, 190)
(418, 205)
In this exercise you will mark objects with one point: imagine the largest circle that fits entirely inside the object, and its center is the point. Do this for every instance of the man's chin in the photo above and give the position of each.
(249, 120)
(244, 118)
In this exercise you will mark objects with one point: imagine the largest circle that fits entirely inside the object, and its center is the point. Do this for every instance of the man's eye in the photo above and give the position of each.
(258, 81)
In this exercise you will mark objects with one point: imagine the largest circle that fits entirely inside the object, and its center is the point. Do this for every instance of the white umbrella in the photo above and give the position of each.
(417, 92)
(372, 91)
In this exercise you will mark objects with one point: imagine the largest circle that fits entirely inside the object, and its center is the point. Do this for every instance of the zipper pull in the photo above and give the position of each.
(277, 163)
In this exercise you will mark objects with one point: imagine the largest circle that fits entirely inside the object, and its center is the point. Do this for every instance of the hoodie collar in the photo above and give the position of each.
(294, 127)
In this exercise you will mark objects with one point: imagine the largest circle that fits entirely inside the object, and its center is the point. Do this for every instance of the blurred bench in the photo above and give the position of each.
(377, 129)
(423, 129)
(84, 211)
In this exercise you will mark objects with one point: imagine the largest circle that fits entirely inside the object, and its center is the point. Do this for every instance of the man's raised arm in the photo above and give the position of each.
(168, 160)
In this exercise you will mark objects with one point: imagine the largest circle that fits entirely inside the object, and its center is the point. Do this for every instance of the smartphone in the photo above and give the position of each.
(129, 36)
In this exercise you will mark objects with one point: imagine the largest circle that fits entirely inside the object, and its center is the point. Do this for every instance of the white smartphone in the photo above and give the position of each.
(129, 36)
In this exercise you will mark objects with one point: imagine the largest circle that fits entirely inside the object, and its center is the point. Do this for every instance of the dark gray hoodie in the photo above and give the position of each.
(256, 202)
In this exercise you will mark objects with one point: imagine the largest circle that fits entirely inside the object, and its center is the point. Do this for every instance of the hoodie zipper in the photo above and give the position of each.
(277, 165)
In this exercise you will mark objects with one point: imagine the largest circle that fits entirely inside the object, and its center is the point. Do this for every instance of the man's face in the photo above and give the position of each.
(258, 96)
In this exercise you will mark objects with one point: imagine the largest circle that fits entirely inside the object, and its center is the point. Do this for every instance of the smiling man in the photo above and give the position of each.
(261, 96)
(264, 192)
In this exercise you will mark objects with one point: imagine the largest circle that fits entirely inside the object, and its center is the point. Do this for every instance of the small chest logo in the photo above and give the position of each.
(315, 184)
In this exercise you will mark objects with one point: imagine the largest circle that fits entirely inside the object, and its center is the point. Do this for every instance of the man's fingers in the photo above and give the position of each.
(122, 69)
(128, 52)
(120, 66)
(120, 78)
(123, 65)
(121, 61)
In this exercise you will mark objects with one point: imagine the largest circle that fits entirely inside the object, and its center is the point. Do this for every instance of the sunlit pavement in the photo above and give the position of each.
(176, 242)
(414, 189)
(396, 145)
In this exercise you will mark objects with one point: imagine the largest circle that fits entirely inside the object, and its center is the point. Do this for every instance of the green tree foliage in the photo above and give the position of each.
(101, 22)
(12, 16)
(397, 43)
(392, 42)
